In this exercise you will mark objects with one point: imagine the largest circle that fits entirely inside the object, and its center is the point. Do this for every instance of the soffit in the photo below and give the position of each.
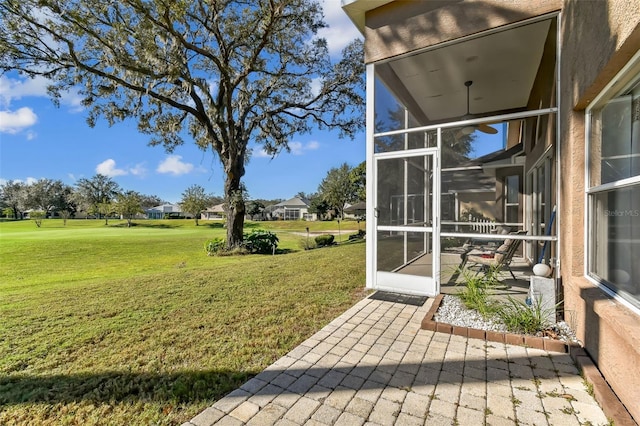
(502, 65)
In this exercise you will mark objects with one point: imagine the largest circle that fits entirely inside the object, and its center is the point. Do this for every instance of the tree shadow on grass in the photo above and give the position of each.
(214, 225)
(114, 387)
(147, 225)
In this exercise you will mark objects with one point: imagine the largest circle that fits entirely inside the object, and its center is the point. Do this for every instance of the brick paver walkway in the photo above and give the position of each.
(373, 365)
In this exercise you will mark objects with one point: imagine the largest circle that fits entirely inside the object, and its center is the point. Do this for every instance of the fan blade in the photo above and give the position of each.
(485, 128)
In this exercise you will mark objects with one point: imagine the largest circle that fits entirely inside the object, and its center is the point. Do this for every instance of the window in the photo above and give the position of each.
(291, 214)
(614, 187)
(512, 197)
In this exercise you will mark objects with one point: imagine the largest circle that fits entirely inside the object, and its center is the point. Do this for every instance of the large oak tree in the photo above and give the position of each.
(95, 195)
(49, 196)
(13, 195)
(222, 72)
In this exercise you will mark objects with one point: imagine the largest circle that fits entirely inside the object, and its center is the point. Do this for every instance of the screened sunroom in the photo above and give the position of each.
(462, 155)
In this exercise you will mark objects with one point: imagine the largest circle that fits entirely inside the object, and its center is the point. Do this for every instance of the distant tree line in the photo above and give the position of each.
(101, 197)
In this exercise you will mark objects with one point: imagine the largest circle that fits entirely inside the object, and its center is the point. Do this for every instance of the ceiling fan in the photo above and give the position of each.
(467, 130)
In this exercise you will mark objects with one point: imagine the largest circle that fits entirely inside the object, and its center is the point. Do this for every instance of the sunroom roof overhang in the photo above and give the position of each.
(431, 83)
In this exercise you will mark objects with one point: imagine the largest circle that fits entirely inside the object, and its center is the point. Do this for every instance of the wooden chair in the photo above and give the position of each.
(499, 258)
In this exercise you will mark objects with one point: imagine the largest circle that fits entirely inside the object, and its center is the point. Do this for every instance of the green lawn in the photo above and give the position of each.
(110, 325)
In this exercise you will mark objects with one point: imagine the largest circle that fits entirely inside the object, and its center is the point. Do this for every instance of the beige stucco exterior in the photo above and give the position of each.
(597, 38)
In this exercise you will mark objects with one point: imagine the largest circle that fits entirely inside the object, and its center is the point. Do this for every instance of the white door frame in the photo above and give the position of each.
(405, 283)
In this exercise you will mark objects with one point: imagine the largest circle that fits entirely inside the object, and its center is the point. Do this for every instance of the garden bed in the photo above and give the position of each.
(431, 322)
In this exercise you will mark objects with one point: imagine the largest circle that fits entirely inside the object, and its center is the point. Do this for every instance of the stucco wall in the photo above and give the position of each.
(598, 38)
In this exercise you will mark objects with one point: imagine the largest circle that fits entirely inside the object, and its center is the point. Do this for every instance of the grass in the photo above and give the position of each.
(109, 325)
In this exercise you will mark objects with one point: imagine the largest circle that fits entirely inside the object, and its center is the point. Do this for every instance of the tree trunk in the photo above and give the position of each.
(235, 206)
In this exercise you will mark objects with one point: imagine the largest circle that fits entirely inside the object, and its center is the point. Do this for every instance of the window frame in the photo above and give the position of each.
(509, 204)
(623, 82)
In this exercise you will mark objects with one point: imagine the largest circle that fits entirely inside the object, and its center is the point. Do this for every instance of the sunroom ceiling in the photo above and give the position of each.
(502, 66)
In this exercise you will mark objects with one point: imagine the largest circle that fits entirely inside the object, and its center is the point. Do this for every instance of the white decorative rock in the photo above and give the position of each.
(541, 270)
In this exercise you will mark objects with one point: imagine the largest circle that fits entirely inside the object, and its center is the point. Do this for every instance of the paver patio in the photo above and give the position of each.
(373, 365)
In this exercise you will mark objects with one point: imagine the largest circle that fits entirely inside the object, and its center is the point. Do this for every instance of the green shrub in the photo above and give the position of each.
(324, 240)
(257, 241)
(261, 241)
(214, 246)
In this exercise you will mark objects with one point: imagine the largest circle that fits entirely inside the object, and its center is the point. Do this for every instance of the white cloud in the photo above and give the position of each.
(316, 86)
(341, 30)
(263, 154)
(174, 165)
(298, 148)
(213, 86)
(14, 121)
(108, 168)
(313, 145)
(139, 170)
(11, 89)
(27, 181)
(73, 100)
(15, 89)
(31, 135)
(295, 147)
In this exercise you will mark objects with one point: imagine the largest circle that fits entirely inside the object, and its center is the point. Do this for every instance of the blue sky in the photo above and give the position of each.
(38, 140)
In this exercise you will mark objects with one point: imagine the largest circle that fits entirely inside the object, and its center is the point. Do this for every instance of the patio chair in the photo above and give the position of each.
(498, 258)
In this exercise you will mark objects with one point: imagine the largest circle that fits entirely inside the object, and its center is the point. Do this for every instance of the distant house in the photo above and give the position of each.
(356, 211)
(296, 208)
(214, 213)
(170, 211)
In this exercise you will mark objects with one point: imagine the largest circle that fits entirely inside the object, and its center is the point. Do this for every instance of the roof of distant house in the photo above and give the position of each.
(218, 208)
(294, 202)
(166, 208)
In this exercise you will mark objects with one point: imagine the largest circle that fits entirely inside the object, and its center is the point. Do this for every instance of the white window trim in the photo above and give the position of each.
(625, 77)
(547, 161)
